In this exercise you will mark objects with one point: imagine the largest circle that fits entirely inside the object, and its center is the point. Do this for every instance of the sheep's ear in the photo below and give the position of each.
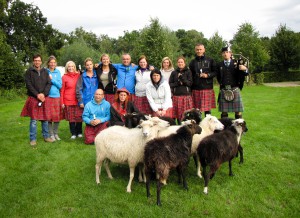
(134, 113)
(148, 117)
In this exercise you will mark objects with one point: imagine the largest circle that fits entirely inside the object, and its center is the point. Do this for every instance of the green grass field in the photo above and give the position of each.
(58, 179)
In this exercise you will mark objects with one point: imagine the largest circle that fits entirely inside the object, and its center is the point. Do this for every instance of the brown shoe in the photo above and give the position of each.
(48, 140)
(33, 143)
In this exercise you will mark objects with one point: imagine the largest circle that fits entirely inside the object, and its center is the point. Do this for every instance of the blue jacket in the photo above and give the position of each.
(86, 87)
(99, 111)
(56, 83)
(126, 77)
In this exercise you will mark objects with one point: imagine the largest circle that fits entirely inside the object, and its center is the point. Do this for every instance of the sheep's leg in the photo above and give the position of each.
(98, 166)
(240, 148)
(195, 157)
(158, 186)
(198, 167)
(106, 164)
(148, 176)
(179, 173)
(185, 186)
(142, 176)
(131, 176)
(206, 179)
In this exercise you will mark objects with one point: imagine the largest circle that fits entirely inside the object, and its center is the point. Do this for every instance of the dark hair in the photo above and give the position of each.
(36, 56)
(155, 71)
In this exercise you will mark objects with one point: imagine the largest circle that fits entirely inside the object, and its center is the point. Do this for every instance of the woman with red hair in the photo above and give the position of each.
(121, 107)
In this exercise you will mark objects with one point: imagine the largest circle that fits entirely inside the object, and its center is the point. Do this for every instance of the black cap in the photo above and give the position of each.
(226, 49)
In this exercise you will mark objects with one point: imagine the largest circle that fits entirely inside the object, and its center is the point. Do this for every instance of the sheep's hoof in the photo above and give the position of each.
(205, 191)
(128, 190)
(199, 176)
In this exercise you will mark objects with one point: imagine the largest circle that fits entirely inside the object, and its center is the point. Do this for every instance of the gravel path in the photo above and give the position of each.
(283, 84)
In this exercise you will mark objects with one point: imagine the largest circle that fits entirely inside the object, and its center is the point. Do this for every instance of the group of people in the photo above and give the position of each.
(103, 93)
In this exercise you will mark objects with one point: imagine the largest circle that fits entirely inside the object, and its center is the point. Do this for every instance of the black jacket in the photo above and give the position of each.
(111, 87)
(208, 66)
(37, 82)
(115, 117)
(181, 81)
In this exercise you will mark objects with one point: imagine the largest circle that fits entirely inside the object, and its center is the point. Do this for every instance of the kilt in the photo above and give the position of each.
(204, 99)
(56, 112)
(169, 113)
(32, 110)
(110, 98)
(142, 104)
(181, 103)
(236, 105)
(90, 132)
(73, 113)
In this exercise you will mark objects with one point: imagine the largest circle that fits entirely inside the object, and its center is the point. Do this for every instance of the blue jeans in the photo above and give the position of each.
(33, 129)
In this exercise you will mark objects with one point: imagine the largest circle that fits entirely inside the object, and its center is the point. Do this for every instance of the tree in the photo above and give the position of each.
(11, 72)
(247, 42)
(27, 31)
(90, 38)
(285, 49)
(214, 46)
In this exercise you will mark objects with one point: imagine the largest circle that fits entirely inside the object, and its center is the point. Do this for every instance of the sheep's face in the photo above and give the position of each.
(212, 122)
(241, 123)
(146, 127)
(192, 114)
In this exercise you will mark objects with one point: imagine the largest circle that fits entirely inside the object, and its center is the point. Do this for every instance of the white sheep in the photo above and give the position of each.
(209, 124)
(121, 145)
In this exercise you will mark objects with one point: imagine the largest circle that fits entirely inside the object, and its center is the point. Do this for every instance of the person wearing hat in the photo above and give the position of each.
(158, 93)
(96, 115)
(230, 76)
(203, 70)
(121, 106)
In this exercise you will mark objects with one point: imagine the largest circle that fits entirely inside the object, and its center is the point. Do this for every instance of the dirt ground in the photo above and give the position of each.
(283, 84)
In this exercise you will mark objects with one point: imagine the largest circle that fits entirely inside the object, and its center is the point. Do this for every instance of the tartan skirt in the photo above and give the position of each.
(110, 98)
(236, 105)
(32, 110)
(169, 112)
(142, 104)
(90, 132)
(180, 104)
(73, 113)
(56, 112)
(204, 99)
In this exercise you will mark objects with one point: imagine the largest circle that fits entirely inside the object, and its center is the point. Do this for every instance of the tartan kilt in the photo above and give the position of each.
(181, 103)
(110, 98)
(169, 112)
(32, 110)
(56, 112)
(142, 104)
(73, 113)
(90, 132)
(236, 105)
(204, 99)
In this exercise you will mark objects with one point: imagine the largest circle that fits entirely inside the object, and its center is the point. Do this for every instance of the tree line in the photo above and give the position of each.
(25, 31)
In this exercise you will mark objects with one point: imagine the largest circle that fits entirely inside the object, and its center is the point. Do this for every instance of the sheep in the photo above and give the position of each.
(122, 145)
(163, 154)
(227, 122)
(209, 124)
(192, 114)
(218, 148)
(133, 119)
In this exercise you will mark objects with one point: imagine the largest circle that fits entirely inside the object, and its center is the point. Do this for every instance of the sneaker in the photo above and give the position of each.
(79, 135)
(33, 143)
(53, 138)
(48, 140)
(57, 137)
(73, 137)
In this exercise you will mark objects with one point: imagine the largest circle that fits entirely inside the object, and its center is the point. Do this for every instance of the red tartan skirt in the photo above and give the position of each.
(180, 104)
(56, 112)
(204, 99)
(110, 98)
(32, 110)
(169, 113)
(142, 104)
(73, 113)
(90, 132)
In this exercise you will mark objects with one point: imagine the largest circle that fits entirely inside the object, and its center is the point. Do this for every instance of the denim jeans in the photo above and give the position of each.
(33, 129)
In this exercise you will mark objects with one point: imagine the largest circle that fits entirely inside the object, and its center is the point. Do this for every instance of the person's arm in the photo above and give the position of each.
(29, 84)
(86, 115)
(168, 98)
(150, 98)
(106, 115)
(79, 91)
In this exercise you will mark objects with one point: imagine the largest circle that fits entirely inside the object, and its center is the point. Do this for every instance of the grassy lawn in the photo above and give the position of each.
(58, 180)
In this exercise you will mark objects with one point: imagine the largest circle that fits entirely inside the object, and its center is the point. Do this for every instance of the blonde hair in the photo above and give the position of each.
(104, 55)
(70, 63)
(88, 59)
(170, 65)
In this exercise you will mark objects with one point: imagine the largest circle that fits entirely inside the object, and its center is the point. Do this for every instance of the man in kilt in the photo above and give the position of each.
(203, 70)
(231, 76)
(38, 84)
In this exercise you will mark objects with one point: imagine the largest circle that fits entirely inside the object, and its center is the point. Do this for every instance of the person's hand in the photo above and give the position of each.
(63, 106)
(41, 97)
(151, 67)
(242, 67)
(95, 122)
(50, 76)
(81, 105)
(163, 113)
(96, 65)
(203, 75)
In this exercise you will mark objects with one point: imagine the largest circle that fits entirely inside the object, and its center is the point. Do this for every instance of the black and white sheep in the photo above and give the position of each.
(164, 154)
(192, 114)
(122, 145)
(218, 148)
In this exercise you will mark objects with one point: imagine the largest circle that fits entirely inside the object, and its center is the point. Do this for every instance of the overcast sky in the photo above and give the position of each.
(113, 17)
